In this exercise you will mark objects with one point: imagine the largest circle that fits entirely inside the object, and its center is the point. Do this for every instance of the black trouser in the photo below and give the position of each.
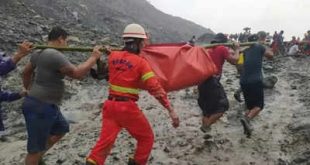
(253, 94)
(212, 97)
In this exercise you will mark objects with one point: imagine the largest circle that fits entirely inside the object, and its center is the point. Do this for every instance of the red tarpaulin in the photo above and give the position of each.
(179, 66)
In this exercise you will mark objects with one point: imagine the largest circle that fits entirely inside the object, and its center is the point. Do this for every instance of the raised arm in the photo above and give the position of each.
(24, 49)
(233, 56)
(80, 71)
(7, 65)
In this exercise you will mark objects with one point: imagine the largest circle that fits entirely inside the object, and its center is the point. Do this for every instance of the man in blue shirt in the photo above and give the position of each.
(7, 65)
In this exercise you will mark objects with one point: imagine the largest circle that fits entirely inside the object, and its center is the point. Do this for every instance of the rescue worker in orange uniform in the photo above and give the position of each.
(128, 73)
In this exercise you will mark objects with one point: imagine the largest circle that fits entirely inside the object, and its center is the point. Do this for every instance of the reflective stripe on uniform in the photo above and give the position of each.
(147, 76)
(124, 89)
(91, 161)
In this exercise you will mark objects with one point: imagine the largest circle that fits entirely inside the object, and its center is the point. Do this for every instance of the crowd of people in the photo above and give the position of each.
(296, 46)
(43, 88)
(299, 47)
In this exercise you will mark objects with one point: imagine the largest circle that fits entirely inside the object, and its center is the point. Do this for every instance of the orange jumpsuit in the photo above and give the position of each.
(128, 73)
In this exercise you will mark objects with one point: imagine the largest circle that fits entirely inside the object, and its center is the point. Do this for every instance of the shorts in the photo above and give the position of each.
(42, 120)
(253, 94)
(212, 97)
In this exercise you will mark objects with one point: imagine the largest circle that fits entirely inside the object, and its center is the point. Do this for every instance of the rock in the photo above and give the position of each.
(61, 159)
(268, 67)
(207, 136)
(166, 149)
(304, 158)
(22, 137)
(37, 16)
(269, 82)
(229, 81)
(182, 143)
(303, 125)
(74, 39)
(71, 117)
(105, 40)
(4, 139)
(282, 162)
(83, 154)
(149, 108)
(116, 158)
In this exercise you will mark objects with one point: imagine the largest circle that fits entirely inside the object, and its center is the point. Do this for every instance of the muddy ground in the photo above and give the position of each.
(281, 136)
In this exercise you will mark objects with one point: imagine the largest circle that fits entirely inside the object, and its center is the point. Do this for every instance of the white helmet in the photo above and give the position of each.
(134, 31)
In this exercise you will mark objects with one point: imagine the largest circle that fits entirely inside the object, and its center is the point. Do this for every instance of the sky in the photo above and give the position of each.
(231, 16)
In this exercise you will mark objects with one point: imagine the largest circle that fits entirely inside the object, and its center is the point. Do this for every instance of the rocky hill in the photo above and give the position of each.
(94, 19)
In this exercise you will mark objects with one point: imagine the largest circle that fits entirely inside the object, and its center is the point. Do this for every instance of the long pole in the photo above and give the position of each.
(230, 44)
(72, 49)
(89, 49)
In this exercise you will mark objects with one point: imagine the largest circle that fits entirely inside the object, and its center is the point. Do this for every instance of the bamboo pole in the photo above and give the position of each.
(231, 44)
(73, 49)
(90, 49)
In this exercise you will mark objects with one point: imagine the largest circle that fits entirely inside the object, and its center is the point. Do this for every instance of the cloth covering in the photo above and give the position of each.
(179, 66)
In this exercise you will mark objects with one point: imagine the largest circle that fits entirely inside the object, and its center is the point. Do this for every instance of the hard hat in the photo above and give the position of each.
(134, 31)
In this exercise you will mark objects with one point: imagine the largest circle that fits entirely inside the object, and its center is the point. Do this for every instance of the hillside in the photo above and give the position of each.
(102, 16)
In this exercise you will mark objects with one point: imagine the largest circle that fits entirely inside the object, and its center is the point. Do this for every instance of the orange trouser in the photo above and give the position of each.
(123, 114)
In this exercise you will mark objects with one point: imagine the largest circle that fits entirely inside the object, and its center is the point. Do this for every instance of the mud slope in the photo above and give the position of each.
(281, 131)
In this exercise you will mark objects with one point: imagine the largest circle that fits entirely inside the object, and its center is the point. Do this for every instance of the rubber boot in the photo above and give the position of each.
(246, 126)
(90, 162)
(205, 129)
(131, 161)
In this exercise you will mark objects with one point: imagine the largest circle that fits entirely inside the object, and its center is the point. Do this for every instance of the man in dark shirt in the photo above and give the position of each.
(251, 81)
(212, 98)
